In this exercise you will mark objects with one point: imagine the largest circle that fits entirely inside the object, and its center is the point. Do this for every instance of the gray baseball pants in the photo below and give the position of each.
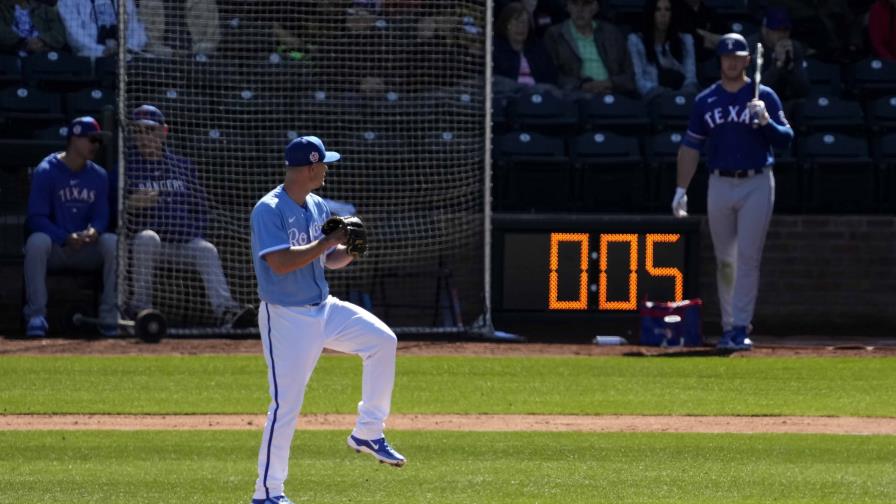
(41, 254)
(199, 253)
(739, 212)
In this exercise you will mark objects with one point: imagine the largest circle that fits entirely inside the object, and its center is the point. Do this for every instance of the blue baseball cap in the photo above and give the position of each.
(85, 126)
(777, 18)
(308, 150)
(148, 115)
(733, 43)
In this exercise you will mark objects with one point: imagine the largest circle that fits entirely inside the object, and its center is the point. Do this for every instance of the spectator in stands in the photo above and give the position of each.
(663, 58)
(93, 27)
(542, 14)
(30, 26)
(701, 22)
(168, 209)
(828, 27)
(590, 55)
(882, 29)
(202, 22)
(68, 215)
(521, 61)
(784, 66)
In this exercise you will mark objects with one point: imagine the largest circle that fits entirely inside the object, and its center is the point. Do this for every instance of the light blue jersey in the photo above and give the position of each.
(279, 223)
(721, 122)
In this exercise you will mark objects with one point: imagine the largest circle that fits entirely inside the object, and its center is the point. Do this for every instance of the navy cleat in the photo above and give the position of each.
(273, 500)
(37, 327)
(726, 342)
(379, 448)
(740, 339)
(108, 329)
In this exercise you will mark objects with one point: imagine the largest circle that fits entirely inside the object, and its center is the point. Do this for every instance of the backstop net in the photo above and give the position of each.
(398, 88)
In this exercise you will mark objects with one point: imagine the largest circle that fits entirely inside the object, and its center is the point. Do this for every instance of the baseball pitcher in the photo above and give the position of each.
(294, 238)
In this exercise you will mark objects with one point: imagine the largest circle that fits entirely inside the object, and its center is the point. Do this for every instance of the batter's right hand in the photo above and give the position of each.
(680, 203)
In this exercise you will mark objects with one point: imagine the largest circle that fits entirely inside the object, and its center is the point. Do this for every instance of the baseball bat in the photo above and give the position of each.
(757, 78)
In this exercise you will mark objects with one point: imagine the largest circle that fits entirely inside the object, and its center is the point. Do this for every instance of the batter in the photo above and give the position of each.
(737, 131)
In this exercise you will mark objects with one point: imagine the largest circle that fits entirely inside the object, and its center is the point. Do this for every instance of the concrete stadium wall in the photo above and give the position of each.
(820, 275)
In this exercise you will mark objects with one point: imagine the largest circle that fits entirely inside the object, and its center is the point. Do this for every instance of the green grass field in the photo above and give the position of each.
(162, 467)
(550, 385)
(452, 467)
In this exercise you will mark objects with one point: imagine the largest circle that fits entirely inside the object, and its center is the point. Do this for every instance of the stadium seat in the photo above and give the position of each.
(385, 111)
(92, 102)
(22, 109)
(10, 70)
(613, 176)
(823, 77)
(26, 153)
(881, 115)
(543, 112)
(840, 175)
(105, 71)
(874, 77)
(499, 115)
(671, 111)
(789, 182)
(59, 71)
(829, 113)
(742, 25)
(532, 173)
(55, 133)
(615, 113)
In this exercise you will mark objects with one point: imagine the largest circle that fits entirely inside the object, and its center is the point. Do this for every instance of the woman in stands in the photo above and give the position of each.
(662, 56)
(521, 61)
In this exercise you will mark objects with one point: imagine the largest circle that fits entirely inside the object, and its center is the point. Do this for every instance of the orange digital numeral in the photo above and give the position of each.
(582, 302)
(632, 302)
(675, 273)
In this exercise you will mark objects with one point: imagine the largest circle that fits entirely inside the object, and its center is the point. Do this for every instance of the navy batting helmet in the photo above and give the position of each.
(733, 43)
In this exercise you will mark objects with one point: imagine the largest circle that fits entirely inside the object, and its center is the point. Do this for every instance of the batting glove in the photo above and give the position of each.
(680, 203)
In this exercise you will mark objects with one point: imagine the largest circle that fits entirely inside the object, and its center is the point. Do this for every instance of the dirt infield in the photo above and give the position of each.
(540, 423)
(771, 348)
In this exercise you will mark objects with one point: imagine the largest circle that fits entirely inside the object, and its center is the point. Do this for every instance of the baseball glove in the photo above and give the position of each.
(356, 245)
(356, 241)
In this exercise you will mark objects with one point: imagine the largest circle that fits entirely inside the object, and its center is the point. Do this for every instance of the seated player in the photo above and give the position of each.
(68, 214)
(168, 207)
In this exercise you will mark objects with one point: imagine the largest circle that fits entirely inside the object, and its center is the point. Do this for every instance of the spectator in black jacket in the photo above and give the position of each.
(783, 67)
(521, 61)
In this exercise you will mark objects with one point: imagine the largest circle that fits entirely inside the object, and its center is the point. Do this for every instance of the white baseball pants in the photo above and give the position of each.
(293, 338)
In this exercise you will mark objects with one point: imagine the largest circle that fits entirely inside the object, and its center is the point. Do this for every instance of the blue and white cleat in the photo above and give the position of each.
(726, 342)
(273, 500)
(740, 339)
(379, 448)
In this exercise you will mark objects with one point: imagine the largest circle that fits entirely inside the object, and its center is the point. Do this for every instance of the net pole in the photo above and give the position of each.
(487, 170)
(120, 100)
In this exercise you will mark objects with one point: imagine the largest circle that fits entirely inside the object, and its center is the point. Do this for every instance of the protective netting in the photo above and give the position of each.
(396, 87)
